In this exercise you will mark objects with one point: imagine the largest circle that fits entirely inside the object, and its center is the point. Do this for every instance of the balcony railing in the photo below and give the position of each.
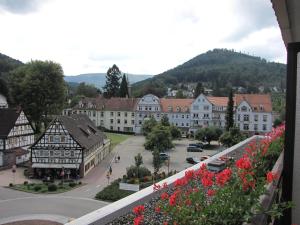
(123, 206)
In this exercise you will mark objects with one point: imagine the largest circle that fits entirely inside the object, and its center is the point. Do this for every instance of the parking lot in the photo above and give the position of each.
(177, 155)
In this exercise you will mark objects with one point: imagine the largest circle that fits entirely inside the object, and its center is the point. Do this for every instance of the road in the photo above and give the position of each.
(77, 202)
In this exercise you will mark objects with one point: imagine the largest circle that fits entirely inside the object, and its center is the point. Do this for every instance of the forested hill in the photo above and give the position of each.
(7, 63)
(219, 70)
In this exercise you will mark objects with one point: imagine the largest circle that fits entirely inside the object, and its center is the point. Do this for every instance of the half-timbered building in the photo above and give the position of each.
(16, 136)
(71, 144)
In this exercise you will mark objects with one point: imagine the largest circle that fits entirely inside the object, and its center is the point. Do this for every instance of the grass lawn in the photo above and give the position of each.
(38, 188)
(116, 138)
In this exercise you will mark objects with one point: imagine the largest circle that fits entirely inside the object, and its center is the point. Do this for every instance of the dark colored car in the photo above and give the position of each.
(198, 145)
(192, 160)
(163, 156)
(194, 149)
(216, 166)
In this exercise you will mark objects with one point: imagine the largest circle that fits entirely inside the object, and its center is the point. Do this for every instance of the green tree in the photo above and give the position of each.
(87, 90)
(231, 137)
(138, 160)
(148, 125)
(208, 134)
(165, 120)
(179, 94)
(156, 160)
(124, 87)
(277, 122)
(175, 132)
(111, 88)
(159, 138)
(199, 90)
(229, 111)
(39, 88)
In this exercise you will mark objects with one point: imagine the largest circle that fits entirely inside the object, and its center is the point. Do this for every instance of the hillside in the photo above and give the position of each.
(98, 79)
(7, 63)
(219, 70)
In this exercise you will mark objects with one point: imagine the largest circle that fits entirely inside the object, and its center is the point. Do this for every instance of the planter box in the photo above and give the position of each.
(129, 187)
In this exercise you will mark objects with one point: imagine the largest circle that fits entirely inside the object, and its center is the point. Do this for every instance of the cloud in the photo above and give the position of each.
(20, 6)
(251, 16)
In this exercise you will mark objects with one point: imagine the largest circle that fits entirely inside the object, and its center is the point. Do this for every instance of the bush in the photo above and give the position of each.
(52, 187)
(37, 188)
(11, 184)
(25, 182)
(72, 184)
(134, 172)
(112, 192)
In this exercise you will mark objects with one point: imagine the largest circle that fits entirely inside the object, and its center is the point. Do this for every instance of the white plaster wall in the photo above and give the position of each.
(296, 175)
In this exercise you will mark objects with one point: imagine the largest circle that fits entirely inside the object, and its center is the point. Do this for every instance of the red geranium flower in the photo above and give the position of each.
(271, 177)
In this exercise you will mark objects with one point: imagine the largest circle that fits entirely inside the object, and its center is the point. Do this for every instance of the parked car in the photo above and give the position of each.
(194, 149)
(192, 160)
(163, 156)
(216, 166)
(202, 158)
(198, 145)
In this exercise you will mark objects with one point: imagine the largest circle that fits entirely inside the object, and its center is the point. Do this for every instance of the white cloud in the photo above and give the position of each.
(139, 36)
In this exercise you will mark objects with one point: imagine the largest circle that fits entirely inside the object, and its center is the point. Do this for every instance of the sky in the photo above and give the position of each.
(139, 36)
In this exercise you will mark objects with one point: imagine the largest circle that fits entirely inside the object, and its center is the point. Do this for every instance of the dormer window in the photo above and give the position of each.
(170, 108)
(177, 108)
(244, 109)
(261, 107)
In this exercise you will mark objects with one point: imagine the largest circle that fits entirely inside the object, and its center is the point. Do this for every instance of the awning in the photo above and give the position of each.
(49, 166)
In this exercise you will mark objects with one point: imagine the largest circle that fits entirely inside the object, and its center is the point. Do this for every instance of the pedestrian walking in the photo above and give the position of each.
(119, 158)
(110, 170)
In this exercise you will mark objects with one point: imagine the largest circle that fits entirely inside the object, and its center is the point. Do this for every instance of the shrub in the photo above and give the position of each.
(72, 184)
(37, 188)
(52, 187)
(11, 184)
(25, 182)
(44, 191)
(134, 172)
(112, 192)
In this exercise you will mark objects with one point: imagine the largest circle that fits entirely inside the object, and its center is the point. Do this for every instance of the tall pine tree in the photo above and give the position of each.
(124, 87)
(199, 90)
(112, 85)
(229, 112)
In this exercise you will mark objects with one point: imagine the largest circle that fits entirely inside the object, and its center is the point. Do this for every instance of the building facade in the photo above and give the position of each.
(253, 113)
(146, 107)
(128, 114)
(71, 144)
(16, 135)
(178, 113)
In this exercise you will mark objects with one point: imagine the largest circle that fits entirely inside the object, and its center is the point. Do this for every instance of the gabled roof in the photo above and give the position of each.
(8, 118)
(97, 103)
(218, 101)
(83, 130)
(121, 104)
(183, 104)
(258, 102)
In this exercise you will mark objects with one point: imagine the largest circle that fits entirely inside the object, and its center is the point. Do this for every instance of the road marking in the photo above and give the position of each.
(98, 185)
(86, 190)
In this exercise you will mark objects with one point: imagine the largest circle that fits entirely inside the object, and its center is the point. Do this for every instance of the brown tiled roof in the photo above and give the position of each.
(113, 104)
(121, 104)
(219, 101)
(255, 101)
(98, 103)
(183, 104)
(8, 118)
